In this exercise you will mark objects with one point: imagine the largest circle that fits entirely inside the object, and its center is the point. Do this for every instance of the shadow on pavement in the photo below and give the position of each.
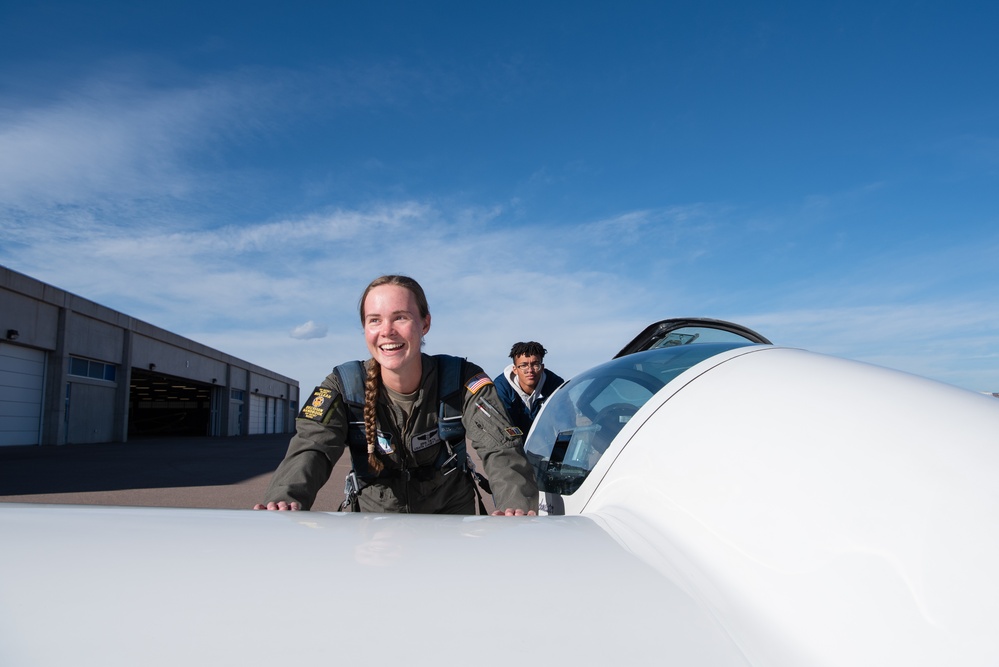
(212, 473)
(138, 464)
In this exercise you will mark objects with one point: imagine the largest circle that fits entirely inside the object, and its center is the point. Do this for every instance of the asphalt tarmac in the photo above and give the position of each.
(215, 473)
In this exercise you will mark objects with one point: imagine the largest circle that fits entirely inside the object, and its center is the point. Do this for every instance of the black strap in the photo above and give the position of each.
(352, 377)
(449, 384)
(450, 392)
(478, 499)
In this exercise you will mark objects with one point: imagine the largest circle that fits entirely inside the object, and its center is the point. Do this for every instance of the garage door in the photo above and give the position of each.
(266, 415)
(22, 374)
(258, 414)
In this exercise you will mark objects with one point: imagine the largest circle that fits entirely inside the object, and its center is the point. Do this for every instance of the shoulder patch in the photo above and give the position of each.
(318, 407)
(478, 382)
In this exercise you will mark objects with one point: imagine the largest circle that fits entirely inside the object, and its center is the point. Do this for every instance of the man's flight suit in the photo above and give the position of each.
(410, 482)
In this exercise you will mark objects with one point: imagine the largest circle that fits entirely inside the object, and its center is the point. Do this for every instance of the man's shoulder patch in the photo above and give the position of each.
(478, 382)
(318, 407)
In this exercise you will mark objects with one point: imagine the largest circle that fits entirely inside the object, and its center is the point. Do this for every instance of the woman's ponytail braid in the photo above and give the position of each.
(371, 386)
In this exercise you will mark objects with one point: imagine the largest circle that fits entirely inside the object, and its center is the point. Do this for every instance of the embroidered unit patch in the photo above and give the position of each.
(384, 442)
(319, 405)
(478, 382)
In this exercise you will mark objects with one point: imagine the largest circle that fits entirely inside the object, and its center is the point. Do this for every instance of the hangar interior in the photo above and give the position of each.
(162, 405)
(73, 372)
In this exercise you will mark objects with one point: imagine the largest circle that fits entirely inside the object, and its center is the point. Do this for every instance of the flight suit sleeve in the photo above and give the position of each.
(498, 443)
(506, 395)
(319, 440)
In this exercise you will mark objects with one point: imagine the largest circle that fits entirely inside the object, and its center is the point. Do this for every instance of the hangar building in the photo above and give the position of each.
(73, 371)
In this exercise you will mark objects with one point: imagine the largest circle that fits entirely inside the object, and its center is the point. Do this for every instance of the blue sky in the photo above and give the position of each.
(567, 172)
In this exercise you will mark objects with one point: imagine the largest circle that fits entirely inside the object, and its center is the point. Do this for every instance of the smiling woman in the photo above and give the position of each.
(396, 317)
(405, 417)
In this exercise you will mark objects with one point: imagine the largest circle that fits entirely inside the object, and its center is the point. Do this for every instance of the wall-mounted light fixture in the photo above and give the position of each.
(12, 334)
(152, 367)
(255, 391)
(214, 380)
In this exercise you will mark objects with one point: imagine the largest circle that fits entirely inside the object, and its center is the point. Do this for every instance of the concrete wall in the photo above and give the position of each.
(64, 325)
(91, 412)
(177, 360)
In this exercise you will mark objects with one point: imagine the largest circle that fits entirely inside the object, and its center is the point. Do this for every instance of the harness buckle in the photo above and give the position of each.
(351, 489)
(449, 461)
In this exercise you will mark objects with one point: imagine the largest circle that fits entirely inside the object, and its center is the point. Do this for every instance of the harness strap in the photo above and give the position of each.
(352, 377)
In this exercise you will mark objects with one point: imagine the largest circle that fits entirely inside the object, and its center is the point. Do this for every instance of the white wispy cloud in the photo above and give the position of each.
(487, 289)
(309, 330)
(117, 191)
(108, 139)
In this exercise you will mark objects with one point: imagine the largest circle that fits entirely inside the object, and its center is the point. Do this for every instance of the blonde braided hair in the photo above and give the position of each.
(371, 385)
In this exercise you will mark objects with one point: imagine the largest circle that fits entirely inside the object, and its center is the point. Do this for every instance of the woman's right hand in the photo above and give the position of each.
(280, 505)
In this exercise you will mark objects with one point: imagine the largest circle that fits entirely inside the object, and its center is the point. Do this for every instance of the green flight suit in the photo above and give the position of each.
(321, 437)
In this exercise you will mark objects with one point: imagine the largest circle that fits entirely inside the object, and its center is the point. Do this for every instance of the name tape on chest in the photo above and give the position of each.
(424, 440)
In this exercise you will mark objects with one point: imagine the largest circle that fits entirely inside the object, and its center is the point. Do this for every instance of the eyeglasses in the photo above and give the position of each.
(535, 366)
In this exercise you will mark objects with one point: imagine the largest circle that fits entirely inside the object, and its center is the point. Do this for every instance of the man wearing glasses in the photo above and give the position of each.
(525, 384)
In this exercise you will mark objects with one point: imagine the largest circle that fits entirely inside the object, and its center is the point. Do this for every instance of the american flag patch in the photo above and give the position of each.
(478, 382)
